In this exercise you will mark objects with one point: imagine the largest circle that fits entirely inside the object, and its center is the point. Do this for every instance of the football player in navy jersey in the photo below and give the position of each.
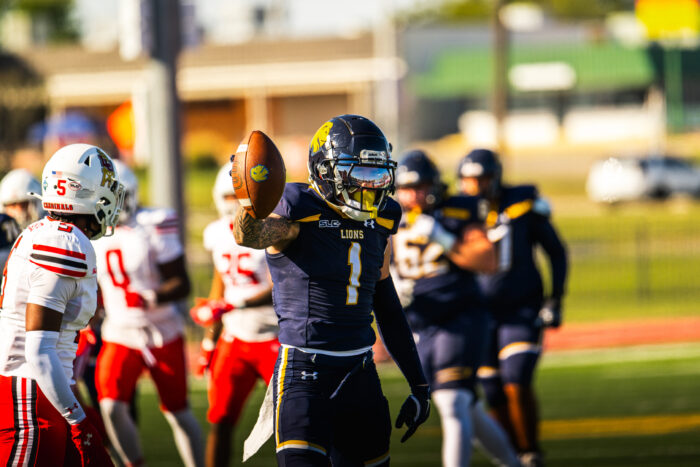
(328, 254)
(518, 221)
(9, 231)
(440, 245)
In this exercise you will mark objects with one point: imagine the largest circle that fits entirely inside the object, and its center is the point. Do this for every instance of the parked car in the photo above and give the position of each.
(629, 178)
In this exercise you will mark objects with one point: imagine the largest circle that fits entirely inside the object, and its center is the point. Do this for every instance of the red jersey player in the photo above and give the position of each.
(141, 273)
(247, 349)
(49, 293)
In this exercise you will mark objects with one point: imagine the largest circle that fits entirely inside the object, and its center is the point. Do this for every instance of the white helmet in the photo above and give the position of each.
(131, 191)
(80, 179)
(222, 188)
(15, 188)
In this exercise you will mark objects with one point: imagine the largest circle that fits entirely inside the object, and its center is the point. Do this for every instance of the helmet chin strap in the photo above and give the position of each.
(354, 214)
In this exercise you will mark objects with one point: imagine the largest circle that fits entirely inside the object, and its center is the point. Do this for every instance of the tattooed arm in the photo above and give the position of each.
(273, 231)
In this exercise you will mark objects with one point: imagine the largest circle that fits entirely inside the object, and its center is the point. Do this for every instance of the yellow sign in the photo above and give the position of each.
(669, 19)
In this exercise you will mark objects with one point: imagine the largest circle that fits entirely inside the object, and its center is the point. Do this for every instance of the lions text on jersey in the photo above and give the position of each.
(324, 280)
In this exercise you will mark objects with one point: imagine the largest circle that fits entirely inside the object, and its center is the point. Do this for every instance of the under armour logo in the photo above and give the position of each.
(312, 376)
(369, 223)
(87, 439)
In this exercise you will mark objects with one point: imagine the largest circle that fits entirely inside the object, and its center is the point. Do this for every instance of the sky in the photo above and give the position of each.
(227, 20)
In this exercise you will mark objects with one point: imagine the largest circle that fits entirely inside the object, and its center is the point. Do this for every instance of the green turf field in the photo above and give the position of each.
(614, 407)
(609, 407)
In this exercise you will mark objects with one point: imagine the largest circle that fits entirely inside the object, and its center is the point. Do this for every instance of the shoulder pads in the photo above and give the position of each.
(161, 219)
(300, 203)
(389, 216)
(65, 250)
(521, 192)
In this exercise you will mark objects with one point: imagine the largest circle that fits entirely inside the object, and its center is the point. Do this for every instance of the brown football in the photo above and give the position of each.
(258, 174)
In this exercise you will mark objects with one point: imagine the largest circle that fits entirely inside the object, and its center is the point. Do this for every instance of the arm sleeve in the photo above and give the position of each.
(556, 251)
(395, 332)
(51, 290)
(47, 371)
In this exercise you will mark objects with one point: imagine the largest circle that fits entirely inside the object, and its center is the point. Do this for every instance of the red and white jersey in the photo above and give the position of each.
(128, 261)
(52, 264)
(244, 272)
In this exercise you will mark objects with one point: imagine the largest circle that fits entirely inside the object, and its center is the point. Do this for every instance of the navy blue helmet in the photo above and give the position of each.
(416, 169)
(350, 165)
(482, 163)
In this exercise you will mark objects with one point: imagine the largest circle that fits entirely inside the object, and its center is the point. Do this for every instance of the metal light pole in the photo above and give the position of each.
(500, 71)
(165, 171)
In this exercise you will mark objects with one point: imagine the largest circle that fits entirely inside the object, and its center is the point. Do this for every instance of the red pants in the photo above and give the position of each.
(32, 432)
(236, 368)
(119, 367)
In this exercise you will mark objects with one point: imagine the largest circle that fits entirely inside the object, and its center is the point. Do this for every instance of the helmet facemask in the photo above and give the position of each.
(358, 186)
(106, 217)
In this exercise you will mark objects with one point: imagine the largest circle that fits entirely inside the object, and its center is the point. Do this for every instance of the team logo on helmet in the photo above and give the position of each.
(321, 136)
(259, 173)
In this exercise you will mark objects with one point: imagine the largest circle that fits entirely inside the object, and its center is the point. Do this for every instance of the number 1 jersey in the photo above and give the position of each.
(324, 280)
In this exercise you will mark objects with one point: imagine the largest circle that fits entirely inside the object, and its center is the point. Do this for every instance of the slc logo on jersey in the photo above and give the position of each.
(259, 173)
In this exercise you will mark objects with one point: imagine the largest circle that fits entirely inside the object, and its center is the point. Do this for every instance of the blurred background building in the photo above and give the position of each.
(555, 85)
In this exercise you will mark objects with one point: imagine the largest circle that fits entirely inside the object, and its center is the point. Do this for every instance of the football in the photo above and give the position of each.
(258, 174)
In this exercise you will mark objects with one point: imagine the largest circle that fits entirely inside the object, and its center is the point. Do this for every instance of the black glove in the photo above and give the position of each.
(415, 410)
(550, 313)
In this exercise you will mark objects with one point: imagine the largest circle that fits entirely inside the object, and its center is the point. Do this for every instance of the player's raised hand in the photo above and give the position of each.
(207, 312)
(88, 442)
(414, 411)
(550, 313)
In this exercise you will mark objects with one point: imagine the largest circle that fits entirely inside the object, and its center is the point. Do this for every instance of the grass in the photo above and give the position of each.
(603, 408)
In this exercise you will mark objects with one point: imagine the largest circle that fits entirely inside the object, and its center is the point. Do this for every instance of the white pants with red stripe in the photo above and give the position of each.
(32, 432)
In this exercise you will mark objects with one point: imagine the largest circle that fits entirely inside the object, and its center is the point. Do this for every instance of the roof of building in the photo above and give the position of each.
(468, 71)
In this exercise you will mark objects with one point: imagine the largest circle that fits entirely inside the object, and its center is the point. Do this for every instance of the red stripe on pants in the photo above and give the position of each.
(52, 434)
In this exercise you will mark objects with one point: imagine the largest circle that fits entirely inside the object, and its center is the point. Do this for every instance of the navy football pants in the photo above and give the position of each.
(329, 407)
(513, 352)
(451, 352)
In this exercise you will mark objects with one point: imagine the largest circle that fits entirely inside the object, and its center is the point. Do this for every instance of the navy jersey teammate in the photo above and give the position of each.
(518, 220)
(440, 245)
(328, 254)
